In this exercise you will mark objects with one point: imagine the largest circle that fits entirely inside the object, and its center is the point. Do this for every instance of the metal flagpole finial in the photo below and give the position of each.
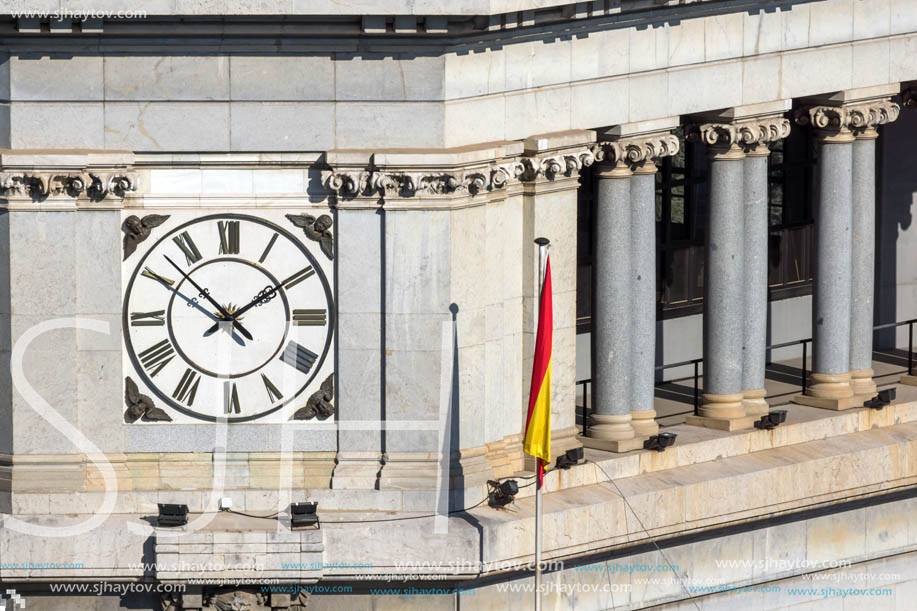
(542, 241)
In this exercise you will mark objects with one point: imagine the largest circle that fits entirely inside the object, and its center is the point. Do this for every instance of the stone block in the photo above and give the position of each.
(281, 78)
(871, 63)
(399, 78)
(762, 32)
(99, 399)
(153, 126)
(871, 19)
(831, 22)
(760, 79)
(172, 77)
(417, 262)
(903, 18)
(474, 120)
(649, 49)
(795, 26)
(364, 125)
(73, 78)
(537, 63)
(900, 69)
(712, 86)
(98, 260)
(815, 71)
(57, 125)
(470, 74)
(648, 96)
(176, 181)
(686, 42)
(278, 181)
(842, 535)
(282, 126)
(538, 111)
(589, 103)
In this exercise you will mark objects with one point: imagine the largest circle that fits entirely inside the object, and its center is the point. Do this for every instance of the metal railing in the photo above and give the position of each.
(803, 378)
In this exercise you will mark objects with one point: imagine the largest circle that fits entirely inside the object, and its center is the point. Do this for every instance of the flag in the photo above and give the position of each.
(538, 423)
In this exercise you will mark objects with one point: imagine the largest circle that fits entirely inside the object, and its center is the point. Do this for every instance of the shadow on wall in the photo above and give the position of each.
(896, 237)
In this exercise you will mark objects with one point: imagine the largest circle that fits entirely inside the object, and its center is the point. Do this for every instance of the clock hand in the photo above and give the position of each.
(213, 302)
(258, 299)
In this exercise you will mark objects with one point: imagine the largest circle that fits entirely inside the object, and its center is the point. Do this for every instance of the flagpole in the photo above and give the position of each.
(543, 245)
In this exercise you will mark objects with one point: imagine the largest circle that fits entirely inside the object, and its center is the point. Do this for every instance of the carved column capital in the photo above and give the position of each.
(844, 123)
(735, 139)
(636, 152)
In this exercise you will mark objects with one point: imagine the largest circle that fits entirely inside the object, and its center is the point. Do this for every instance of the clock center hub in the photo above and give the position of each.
(226, 352)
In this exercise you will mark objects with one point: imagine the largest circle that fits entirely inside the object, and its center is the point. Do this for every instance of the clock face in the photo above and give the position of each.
(227, 316)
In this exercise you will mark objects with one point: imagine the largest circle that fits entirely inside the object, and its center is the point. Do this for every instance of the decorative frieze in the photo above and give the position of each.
(348, 184)
(42, 185)
(836, 121)
(747, 134)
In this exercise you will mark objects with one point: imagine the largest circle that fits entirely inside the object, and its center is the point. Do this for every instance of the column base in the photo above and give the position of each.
(862, 384)
(754, 402)
(644, 423)
(611, 427)
(832, 404)
(723, 424)
(721, 407)
(909, 380)
(829, 386)
(608, 445)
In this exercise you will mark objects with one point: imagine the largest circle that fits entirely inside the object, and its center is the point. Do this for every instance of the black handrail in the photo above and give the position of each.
(805, 374)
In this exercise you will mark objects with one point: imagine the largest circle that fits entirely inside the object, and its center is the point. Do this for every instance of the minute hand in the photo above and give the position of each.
(213, 302)
(249, 306)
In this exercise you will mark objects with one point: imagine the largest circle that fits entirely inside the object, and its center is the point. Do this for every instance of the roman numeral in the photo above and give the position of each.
(298, 277)
(187, 386)
(298, 357)
(310, 318)
(184, 241)
(157, 356)
(229, 237)
(268, 248)
(231, 398)
(151, 274)
(272, 393)
(148, 319)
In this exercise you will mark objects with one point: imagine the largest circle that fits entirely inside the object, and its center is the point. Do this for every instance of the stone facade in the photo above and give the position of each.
(417, 150)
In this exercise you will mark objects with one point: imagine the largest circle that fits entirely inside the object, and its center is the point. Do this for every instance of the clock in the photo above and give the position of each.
(226, 316)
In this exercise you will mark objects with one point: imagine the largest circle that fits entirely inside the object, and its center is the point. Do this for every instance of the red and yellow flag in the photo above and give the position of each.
(538, 424)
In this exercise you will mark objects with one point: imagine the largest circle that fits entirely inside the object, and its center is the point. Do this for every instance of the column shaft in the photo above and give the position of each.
(611, 320)
(643, 298)
(863, 260)
(831, 302)
(723, 288)
(755, 281)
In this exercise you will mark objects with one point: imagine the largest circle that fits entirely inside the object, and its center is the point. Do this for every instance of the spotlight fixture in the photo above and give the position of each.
(660, 442)
(501, 493)
(885, 397)
(571, 457)
(172, 515)
(771, 419)
(303, 514)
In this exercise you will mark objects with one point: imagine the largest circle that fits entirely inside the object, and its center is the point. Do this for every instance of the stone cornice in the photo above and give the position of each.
(747, 134)
(849, 120)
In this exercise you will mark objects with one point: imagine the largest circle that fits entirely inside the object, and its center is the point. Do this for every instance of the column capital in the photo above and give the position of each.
(637, 152)
(846, 122)
(735, 139)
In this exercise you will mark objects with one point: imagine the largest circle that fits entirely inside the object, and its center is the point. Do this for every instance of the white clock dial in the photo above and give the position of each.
(228, 316)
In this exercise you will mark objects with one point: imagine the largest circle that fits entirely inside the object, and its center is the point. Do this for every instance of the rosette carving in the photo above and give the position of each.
(41, 185)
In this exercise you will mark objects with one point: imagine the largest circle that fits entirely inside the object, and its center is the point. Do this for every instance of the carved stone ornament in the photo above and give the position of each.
(236, 600)
(320, 404)
(375, 183)
(42, 185)
(136, 230)
(747, 134)
(141, 406)
(317, 230)
(909, 98)
(854, 117)
(633, 151)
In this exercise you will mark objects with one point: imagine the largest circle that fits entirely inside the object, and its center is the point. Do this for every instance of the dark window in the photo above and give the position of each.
(681, 200)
